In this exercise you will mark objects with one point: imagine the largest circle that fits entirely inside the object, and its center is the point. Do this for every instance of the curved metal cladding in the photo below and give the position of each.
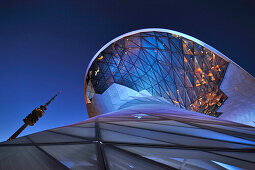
(165, 63)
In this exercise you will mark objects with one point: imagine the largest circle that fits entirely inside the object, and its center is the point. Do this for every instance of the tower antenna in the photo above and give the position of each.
(33, 117)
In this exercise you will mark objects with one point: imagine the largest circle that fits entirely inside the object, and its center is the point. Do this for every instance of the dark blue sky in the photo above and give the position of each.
(46, 45)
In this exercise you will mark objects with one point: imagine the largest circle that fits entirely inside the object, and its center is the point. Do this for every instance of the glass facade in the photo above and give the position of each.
(165, 65)
(145, 92)
(136, 139)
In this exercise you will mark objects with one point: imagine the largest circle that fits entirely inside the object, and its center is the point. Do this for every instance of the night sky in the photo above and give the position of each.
(46, 45)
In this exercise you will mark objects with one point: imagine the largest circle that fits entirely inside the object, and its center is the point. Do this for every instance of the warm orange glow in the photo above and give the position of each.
(213, 56)
(206, 106)
(175, 102)
(203, 82)
(185, 60)
(176, 36)
(86, 100)
(100, 58)
(185, 46)
(199, 70)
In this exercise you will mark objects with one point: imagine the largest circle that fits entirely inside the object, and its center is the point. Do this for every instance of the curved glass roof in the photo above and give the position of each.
(165, 63)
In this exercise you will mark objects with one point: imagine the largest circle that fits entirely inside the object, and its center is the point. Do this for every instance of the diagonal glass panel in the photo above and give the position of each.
(177, 136)
(78, 131)
(186, 159)
(118, 159)
(20, 140)
(74, 156)
(85, 124)
(113, 136)
(50, 137)
(239, 155)
(26, 157)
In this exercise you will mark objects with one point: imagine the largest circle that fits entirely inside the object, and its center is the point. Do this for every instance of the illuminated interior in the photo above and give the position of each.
(166, 65)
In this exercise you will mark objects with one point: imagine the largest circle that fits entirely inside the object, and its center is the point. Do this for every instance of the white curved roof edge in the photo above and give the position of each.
(166, 31)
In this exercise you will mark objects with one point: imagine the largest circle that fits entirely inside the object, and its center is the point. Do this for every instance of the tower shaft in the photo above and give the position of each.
(18, 131)
(33, 117)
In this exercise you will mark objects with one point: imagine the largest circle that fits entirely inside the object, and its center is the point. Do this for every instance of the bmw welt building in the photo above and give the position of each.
(157, 99)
